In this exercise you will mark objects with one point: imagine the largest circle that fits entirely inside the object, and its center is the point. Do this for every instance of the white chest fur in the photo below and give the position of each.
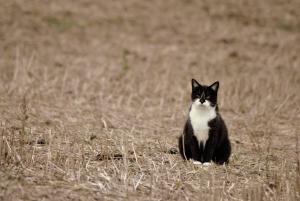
(199, 117)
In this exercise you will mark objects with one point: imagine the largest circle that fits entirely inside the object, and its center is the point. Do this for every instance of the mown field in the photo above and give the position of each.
(94, 94)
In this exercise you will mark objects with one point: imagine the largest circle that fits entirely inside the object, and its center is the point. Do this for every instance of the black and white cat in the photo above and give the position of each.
(205, 137)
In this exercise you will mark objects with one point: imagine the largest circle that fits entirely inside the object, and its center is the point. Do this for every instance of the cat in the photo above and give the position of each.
(205, 136)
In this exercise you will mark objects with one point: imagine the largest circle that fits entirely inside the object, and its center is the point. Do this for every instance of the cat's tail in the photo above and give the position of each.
(181, 145)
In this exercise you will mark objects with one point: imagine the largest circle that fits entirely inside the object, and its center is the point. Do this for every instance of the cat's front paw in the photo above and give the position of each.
(196, 162)
(207, 164)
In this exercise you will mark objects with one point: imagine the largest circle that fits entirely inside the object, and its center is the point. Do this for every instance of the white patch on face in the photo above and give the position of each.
(204, 105)
(200, 115)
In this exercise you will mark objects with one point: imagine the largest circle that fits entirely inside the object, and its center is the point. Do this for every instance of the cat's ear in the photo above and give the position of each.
(215, 86)
(195, 84)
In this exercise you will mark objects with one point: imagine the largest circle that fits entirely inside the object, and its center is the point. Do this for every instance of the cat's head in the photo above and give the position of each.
(205, 96)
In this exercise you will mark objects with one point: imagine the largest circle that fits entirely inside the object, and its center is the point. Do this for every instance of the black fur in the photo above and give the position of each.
(217, 147)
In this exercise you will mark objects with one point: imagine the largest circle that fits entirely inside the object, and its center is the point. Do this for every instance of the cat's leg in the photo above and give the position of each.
(195, 151)
(209, 150)
(223, 152)
(207, 157)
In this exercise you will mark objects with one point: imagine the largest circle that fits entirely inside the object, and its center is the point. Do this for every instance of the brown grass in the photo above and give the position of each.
(93, 94)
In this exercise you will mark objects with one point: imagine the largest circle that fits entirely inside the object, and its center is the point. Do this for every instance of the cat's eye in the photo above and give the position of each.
(207, 97)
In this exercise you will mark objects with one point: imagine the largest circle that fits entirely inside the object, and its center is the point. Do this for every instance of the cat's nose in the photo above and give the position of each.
(202, 100)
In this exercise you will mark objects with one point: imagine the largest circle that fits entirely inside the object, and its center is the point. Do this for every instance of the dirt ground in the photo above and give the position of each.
(94, 94)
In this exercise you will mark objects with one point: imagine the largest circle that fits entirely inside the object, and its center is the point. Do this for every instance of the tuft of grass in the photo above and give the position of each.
(289, 27)
(125, 64)
(23, 117)
(60, 23)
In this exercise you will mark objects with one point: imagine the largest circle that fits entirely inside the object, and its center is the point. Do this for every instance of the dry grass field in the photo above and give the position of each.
(94, 94)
